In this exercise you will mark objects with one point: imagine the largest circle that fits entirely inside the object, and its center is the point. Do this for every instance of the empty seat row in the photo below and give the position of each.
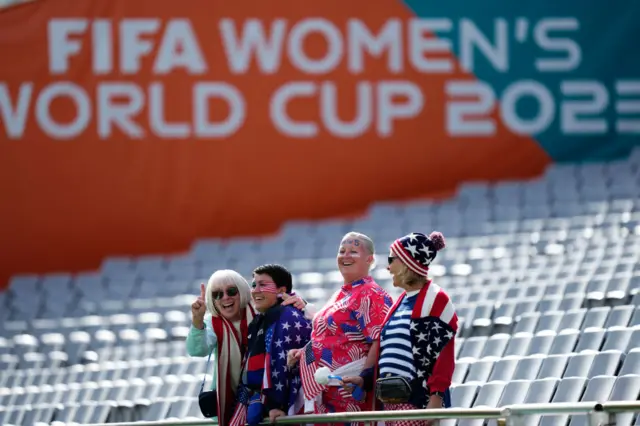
(586, 364)
(549, 342)
(570, 389)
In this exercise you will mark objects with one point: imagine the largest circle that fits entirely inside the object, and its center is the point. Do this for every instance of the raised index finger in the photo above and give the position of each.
(202, 291)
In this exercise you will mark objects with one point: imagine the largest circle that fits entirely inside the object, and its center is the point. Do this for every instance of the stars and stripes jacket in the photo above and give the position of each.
(266, 382)
(433, 327)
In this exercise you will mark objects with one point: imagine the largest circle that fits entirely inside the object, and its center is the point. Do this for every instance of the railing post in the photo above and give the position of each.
(516, 420)
(599, 417)
(513, 419)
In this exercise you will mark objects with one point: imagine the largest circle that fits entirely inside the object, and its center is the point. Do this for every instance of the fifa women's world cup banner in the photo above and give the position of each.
(137, 126)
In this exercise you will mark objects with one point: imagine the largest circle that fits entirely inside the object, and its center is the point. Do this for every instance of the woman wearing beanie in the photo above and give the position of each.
(416, 359)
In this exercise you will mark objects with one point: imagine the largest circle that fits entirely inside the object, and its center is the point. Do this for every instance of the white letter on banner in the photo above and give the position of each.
(102, 46)
(329, 110)
(360, 40)
(278, 110)
(112, 112)
(331, 34)
(132, 48)
(557, 44)
(237, 110)
(419, 44)
(471, 37)
(546, 109)
(83, 110)
(253, 41)
(14, 119)
(470, 117)
(628, 106)
(389, 111)
(570, 110)
(157, 103)
(60, 46)
(179, 48)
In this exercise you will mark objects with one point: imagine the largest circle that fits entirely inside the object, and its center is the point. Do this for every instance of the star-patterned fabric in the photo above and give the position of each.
(416, 251)
(343, 332)
(432, 329)
(267, 382)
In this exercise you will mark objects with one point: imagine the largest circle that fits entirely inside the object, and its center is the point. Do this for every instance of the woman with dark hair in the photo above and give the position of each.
(416, 352)
(223, 334)
(267, 387)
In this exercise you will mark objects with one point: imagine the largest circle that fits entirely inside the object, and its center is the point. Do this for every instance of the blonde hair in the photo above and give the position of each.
(225, 277)
(368, 244)
(408, 276)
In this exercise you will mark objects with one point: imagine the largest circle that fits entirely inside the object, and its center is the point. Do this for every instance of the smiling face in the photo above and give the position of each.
(395, 268)
(402, 276)
(353, 259)
(264, 292)
(226, 299)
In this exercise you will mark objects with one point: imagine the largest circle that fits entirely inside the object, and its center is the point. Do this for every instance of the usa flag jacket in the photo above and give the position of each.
(266, 382)
(433, 327)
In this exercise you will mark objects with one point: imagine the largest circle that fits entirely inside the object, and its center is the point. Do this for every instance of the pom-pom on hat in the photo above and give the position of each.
(417, 251)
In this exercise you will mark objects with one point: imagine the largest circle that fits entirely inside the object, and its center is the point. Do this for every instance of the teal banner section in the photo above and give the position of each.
(566, 72)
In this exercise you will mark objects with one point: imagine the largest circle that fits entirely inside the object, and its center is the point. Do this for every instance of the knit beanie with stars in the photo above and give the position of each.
(417, 251)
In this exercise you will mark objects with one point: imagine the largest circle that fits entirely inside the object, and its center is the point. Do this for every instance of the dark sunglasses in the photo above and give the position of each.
(390, 259)
(231, 291)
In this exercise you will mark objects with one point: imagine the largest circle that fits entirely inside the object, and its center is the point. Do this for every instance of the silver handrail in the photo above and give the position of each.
(506, 412)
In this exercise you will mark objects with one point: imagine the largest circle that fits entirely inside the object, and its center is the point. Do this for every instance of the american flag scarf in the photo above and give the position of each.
(230, 351)
(256, 373)
(432, 303)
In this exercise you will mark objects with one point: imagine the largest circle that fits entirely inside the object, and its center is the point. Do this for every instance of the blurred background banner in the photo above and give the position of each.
(137, 126)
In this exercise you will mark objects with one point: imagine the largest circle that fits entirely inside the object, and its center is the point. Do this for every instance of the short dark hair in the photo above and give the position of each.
(278, 273)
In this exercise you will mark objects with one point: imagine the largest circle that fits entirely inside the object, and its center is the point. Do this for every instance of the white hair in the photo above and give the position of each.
(225, 277)
(368, 244)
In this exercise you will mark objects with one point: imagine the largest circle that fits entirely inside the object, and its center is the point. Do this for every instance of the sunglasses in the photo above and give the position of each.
(390, 259)
(231, 291)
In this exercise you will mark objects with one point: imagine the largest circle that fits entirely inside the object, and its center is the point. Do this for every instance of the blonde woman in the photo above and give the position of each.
(416, 352)
(226, 299)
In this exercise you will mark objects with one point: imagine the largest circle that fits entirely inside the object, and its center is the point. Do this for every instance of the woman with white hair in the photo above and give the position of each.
(226, 298)
(344, 331)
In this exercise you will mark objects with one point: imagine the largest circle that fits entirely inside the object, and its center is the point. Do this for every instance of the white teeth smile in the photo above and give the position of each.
(227, 306)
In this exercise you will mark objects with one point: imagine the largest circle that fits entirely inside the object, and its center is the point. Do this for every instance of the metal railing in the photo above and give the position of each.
(599, 414)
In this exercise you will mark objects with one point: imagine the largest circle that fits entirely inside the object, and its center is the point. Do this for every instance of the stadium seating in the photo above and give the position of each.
(545, 275)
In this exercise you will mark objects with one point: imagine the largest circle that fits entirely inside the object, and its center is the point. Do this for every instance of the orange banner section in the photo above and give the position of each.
(132, 127)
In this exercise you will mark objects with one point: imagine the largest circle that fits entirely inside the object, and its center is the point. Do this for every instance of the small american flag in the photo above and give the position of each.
(331, 324)
(355, 353)
(308, 367)
(363, 311)
(353, 333)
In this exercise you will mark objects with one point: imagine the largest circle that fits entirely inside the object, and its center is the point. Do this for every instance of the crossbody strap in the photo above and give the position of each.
(204, 379)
